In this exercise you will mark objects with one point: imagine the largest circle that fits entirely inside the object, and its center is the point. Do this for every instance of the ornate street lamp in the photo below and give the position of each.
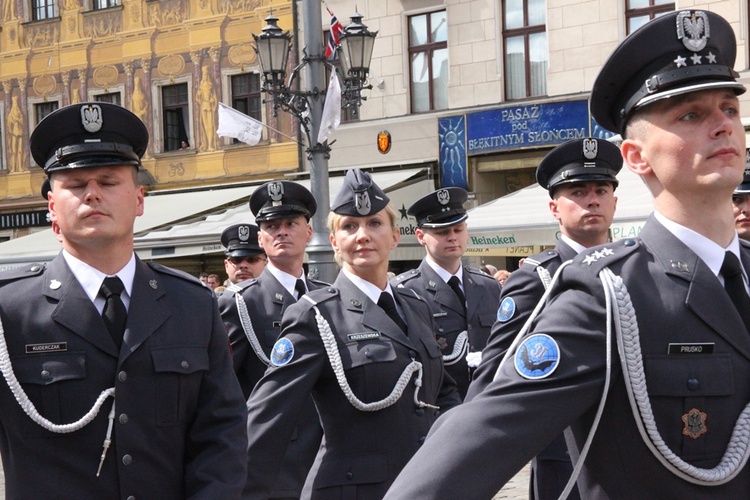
(273, 46)
(355, 51)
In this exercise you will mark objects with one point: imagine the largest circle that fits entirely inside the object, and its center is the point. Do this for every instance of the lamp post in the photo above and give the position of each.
(273, 46)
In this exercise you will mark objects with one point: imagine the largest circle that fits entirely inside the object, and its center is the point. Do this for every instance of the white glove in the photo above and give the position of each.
(473, 359)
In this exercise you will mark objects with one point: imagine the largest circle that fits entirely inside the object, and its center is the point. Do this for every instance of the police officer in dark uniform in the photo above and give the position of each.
(643, 347)
(252, 311)
(119, 383)
(464, 300)
(244, 257)
(580, 176)
(367, 354)
(741, 205)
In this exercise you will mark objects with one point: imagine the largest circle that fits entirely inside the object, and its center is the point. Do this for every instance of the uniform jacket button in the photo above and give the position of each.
(185, 365)
(127, 460)
(412, 353)
(123, 418)
(122, 376)
(131, 497)
(419, 412)
(45, 374)
(693, 384)
(421, 440)
(349, 475)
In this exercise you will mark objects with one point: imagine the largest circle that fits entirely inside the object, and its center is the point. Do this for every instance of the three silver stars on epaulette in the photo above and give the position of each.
(594, 257)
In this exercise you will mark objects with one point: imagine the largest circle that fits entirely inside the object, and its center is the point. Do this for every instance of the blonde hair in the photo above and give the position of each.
(333, 223)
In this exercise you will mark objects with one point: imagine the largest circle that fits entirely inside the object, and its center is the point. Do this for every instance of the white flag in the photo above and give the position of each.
(331, 109)
(232, 123)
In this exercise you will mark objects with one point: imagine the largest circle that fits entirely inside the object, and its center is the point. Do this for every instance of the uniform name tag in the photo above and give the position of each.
(440, 314)
(356, 337)
(53, 347)
(707, 348)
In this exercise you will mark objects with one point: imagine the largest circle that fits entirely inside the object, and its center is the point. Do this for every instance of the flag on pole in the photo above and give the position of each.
(333, 35)
(331, 109)
(233, 123)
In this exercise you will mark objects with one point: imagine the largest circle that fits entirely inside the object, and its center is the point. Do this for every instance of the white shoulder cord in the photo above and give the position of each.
(329, 342)
(459, 348)
(247, 326)
(600, 409)
(28, 407)
(544, 276)
(737, 452)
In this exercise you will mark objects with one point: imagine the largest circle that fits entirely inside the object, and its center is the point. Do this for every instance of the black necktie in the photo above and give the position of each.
(731, 270)
(299, 286)
(114, 314)
(387, 304)
(455, 284)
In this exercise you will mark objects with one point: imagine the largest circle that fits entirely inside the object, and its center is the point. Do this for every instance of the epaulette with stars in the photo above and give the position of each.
(599, 257)
(407, 275)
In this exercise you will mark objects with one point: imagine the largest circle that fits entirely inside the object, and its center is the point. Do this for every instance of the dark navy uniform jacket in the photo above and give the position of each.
(482, 300)
(677, 300)
(266, 300)
(179, 428)
(363, 450)
(525, 288)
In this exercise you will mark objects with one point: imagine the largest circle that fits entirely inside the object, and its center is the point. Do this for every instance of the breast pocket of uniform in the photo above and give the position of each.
(369, 365)
(488, 319)
(179, 374)
(693, 391)
(49, 382)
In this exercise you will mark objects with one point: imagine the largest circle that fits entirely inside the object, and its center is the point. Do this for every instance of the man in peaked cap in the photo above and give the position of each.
(252, 310)
(741, 206)
(580, 176)
(463, 299)
(244, 257)
(642, 347)
(139, 345)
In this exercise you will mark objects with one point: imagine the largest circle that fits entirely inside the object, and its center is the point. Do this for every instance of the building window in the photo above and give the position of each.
(428, 57)
(174, 101)
(639, 12)
(246, 94)
(112, 98)
(525, 42)
(42, 109)
(42, 9)
(104, 4)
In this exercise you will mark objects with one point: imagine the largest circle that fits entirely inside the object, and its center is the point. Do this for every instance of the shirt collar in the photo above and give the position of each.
(445, 275)
(711, 253)
(577, 247)
(91, 279)
(287, 280)
(372, 292)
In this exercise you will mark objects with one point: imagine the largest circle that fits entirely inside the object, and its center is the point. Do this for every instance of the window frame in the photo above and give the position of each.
(158, 116)
(525, 31)
(429, 49)
(46, 7)
(652, 11)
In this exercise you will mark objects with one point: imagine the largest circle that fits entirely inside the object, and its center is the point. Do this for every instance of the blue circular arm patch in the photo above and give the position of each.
(506, 310)
(537, 357)
(282, 352)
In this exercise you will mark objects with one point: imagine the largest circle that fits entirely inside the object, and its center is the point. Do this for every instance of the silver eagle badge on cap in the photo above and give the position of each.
(693, 30)
(276, 192)
(443, 196)
(91, 117)
(243, 233)
(362, 203)
(590, 149)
